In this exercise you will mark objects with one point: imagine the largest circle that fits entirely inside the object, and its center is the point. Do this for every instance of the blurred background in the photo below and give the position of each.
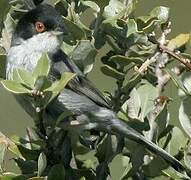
(13, 120)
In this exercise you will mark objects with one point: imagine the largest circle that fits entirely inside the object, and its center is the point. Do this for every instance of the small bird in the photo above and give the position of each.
(38, 32)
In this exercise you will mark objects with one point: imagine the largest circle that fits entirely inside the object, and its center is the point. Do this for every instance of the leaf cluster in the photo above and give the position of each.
(142, 71)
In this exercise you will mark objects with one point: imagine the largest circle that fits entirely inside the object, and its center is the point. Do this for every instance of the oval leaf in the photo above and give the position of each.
(58, 86)
(133, 104)
(184, 116)
(124, 60)
(43, 66)
(161, 12)
(84, 55)
(23, 76)
(2, 66)
(177, 81)
(3, 148)
(147, 93)
(179, 41)
(15, 87)
(109, 71)
(42, 163)
(57, 172)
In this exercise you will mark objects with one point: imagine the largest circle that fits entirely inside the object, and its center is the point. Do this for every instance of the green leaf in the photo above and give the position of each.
(12, 147)
(133, 104)
(178, 41)
(83, 178)
(173, 174)
(155, 167)
(26, 166)
(57, 172)
(145, 19)
(137, 160)
(4, 8)
(162, 119)
(12, 176)
(42, 83)
(59, 85)
(9, 26)
(115, 7)
(23, 77)
(42, 163)
(147, 93)
(91, 4)
(131, 83)
(177, 142)
(67, 48)
(2, 66)
(105, 148)
(28, 154)
(101, 3)
(3, 148)
(116, 167)
(158, 120)
(186, 81)
(184, 115)
(84, 55)
(118, 10)
(111, 27)
(88, 159)
(109, 71)
(187, 155)
(132, 27)
(43, 66)
(124, 60)
(173, 143)
(161, 12)
(15, 87)
(61, 6)
(63, 116)
(177, 81)
(76, 32)
(38, 178)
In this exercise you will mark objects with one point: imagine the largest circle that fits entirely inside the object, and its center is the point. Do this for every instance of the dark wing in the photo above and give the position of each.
(80, 84)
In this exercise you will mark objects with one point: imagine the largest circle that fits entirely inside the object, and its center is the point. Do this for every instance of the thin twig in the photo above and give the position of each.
(146, 64)
(170, 52)
(181, 59)
(29, 137)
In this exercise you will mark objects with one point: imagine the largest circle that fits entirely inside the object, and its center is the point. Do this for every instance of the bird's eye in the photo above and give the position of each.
(40, 27)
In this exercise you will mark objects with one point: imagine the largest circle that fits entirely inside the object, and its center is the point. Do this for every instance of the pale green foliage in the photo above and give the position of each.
(142, 72)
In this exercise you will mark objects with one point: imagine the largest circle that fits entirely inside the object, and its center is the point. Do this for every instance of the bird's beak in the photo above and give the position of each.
(57, 33)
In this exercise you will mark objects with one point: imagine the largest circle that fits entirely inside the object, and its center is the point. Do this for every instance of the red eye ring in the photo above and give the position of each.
(39, 26)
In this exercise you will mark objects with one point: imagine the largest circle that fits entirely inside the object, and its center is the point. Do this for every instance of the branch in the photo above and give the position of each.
(181, 59)
(146, 64)
(165, 49)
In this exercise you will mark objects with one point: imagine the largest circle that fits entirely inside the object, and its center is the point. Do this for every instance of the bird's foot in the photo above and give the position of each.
(37, 93)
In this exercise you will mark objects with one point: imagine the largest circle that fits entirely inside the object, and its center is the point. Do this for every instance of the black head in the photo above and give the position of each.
(42, 18)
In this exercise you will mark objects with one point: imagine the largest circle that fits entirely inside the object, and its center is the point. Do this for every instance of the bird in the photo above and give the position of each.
(36, 33)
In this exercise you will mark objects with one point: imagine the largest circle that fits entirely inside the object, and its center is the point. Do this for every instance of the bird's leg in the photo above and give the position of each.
(38, 93)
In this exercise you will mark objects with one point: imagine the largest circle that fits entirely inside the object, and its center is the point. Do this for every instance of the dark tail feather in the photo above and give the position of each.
(125, 130)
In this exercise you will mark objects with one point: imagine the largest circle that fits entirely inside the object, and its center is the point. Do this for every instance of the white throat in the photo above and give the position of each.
(27, 53)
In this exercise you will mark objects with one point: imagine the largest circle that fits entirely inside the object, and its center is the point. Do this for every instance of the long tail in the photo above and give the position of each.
(125, 130)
